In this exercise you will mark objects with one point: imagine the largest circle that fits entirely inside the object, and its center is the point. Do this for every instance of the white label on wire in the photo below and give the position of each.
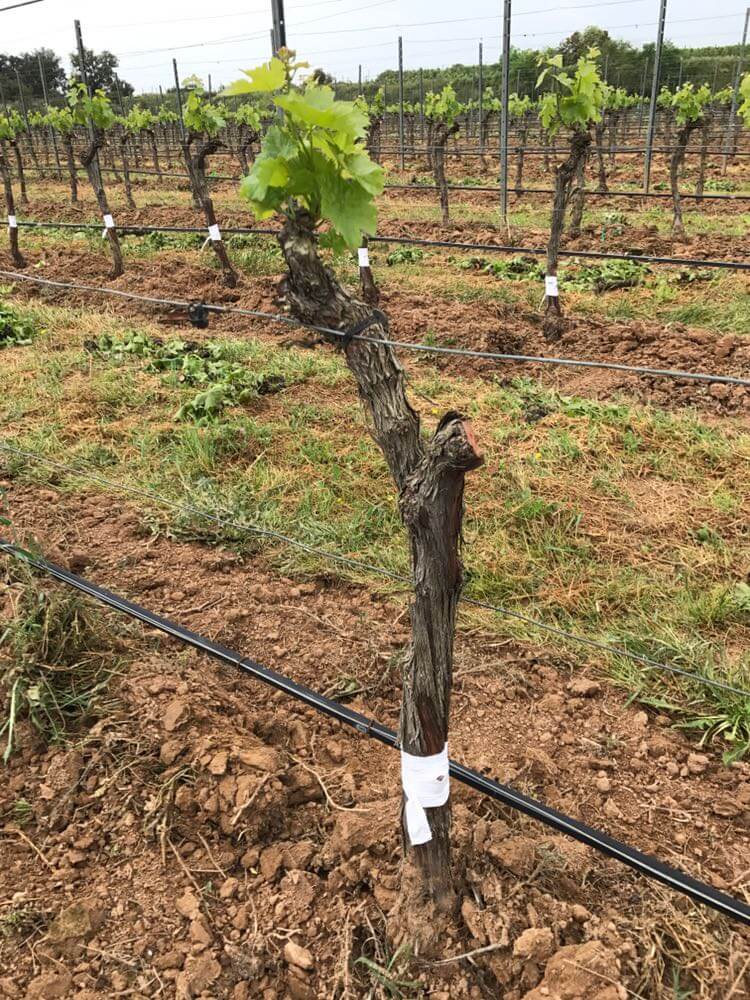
(550, 285)
(109, 222)
(426, 784)
(12, 222)
(214, 233)
(364, 257)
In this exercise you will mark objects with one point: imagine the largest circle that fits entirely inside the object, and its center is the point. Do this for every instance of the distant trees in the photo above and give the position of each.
(101, 70)
(623, 65)
(27, 65)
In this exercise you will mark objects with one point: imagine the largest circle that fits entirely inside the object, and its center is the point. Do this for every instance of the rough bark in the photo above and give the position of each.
(20, 171)
(196, 164)
(520, 153)
(126, 173)
(675, 170)
(429, 476)
(154, 153)
(554, 325)
(374, 134)
(613, 120)
(90, 162)
(56, 153)
(167, 146)
(72, 175)
(700, 183)
(441, 135)
(36, 163)
(10, 206)
(578, 198)
(109, 160)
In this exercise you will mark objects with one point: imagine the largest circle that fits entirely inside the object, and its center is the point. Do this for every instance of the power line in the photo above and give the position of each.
(226, 522)
(374, 27)
(26, 3)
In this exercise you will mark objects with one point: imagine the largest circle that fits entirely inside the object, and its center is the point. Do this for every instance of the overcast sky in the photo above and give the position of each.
(227, 35)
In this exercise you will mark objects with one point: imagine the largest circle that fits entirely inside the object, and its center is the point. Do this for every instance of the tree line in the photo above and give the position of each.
(623, 65)
(22, 75)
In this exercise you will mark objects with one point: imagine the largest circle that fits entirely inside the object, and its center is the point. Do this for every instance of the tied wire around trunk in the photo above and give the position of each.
(377, 316)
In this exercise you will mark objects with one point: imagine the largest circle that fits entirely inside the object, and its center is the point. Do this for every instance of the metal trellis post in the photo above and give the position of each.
(52, 135)
(481, 100)
(279, 25)
(85, 81)
(178, 94)
(504, 112)
(735, 94)
(421, 100)
(654, 93)
(401, 99)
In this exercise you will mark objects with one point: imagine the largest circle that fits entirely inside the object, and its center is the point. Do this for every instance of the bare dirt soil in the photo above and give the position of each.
(495, 327)
(209, 838)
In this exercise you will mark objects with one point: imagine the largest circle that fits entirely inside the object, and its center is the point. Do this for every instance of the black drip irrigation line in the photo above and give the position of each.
(404, 345)
(644, 864)
(226, 522)
(731, 265)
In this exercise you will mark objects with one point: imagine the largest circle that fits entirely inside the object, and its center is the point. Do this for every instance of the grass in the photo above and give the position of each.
(617, 521)
(56, 658)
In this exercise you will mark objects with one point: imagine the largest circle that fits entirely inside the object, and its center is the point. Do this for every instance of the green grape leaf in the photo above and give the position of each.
(265, 79)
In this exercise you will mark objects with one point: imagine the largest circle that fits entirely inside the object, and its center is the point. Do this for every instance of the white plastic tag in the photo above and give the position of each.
(214, 233)
(550, 285)
(12, 222)
(364, 257)
(109, 223)
(426, 784)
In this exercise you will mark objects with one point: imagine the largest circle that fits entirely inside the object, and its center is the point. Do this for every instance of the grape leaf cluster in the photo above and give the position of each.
(314, 158)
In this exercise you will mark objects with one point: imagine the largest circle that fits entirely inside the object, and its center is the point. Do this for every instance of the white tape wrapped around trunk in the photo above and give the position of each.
(364, 257)
(550, 286)
(12, 222)
(214, 233)
(426, 784)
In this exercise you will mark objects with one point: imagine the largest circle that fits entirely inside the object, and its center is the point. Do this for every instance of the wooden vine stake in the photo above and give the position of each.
(322, 174)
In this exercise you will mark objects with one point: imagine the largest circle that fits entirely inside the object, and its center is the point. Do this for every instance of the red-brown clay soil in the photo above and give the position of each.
(492, 327)
(210, 838)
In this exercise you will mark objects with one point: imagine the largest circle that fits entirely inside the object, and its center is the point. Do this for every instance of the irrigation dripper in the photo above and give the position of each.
(198, 315)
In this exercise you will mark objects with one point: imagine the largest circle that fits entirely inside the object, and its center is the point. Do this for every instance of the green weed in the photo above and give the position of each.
(17, 329)
(56, 660)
